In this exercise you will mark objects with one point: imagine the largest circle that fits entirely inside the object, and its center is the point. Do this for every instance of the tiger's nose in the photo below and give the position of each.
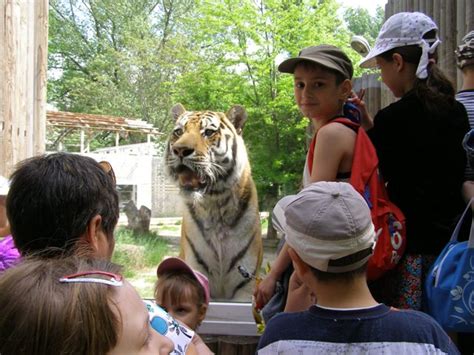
(183, 152)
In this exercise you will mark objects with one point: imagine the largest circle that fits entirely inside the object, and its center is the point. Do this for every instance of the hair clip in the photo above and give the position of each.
(115, 280)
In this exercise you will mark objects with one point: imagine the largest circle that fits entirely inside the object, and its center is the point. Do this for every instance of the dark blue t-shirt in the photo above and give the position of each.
(375, 330)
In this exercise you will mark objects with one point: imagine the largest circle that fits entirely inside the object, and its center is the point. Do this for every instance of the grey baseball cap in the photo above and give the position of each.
(325, 223)
(326, 55)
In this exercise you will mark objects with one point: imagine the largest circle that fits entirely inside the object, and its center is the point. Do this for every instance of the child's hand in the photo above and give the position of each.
(264, 291)
(357, 99)
(300, 297)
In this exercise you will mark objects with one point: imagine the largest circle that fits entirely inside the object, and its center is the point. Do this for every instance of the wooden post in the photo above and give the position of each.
(460, 29)
(416, 5)
(82, 140)
(23, 60)
(436, 12)
(40, 71)
(429, 8)
(469, 19)
(450, 41)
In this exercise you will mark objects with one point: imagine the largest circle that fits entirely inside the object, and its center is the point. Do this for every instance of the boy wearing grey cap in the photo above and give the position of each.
(322, 84)
(330, 236)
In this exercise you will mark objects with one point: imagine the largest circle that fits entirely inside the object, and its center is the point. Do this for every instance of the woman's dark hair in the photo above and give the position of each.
(52, 199)
(436, 92)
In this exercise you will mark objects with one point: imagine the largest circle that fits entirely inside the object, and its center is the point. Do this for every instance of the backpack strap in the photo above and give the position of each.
(347, 122)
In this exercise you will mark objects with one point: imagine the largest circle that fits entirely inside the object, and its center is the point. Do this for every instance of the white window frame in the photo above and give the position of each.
(229, 318)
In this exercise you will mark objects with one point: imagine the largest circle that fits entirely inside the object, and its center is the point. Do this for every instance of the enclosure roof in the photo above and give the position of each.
(99, 122)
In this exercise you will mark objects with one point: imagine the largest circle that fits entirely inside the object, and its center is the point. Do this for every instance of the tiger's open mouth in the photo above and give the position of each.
(188, 179)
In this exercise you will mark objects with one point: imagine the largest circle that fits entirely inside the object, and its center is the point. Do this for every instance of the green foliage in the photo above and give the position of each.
(112, 57)
(360, 22)
(236, 47)
(136, 59)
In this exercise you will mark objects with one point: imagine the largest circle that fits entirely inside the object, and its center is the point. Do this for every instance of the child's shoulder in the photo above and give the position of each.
(335, 129)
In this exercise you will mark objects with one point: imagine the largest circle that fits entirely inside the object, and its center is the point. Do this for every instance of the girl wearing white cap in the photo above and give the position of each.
(419, 145)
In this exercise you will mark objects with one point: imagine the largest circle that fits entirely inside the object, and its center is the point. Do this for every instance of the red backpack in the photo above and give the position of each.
(388, 219)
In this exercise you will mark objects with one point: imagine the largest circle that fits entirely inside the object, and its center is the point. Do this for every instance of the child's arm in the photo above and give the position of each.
(191, 350)
(468, 190)
(333, 152)
(266, 288)
(200, 346)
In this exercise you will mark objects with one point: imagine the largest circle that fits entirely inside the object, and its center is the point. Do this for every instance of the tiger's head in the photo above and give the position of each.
(205, 150)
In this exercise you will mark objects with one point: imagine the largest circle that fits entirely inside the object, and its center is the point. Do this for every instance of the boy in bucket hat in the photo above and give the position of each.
(322, 84)
(330, 236)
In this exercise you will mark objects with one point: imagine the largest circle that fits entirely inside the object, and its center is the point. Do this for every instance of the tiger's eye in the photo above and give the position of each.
(209, 132)
(178, 131)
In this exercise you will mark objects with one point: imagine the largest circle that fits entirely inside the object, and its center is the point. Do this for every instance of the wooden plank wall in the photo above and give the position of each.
(454, 18)
(23, 63)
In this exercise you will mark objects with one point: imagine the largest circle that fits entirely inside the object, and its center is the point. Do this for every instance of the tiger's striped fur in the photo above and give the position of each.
(221, 229)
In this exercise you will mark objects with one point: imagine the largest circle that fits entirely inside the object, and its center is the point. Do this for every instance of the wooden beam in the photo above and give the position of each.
(82, 140)
(40, 74)
(23, 25)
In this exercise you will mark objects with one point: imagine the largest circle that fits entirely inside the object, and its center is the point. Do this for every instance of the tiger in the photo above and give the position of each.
(220, 232)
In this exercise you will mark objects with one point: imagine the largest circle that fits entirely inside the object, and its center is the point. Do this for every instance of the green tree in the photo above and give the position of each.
(115, 57)
(236, 45)
(361, 22)
(137, 59)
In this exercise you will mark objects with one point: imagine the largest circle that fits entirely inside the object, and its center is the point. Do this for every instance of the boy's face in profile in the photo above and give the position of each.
(317, 93)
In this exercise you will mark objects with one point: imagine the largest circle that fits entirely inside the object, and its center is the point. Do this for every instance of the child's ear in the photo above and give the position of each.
(202, 313)
(97, 240)
(346, 89)
(398, 61)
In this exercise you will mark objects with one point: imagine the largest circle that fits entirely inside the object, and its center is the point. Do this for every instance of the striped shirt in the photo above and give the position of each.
(466, 97)
(374, 330)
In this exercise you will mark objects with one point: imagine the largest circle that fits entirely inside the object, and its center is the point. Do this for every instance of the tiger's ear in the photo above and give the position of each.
(177, 111)
(237, 115)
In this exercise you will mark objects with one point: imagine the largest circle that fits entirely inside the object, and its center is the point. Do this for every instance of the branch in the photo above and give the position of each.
(74, 23)
(167, 18)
